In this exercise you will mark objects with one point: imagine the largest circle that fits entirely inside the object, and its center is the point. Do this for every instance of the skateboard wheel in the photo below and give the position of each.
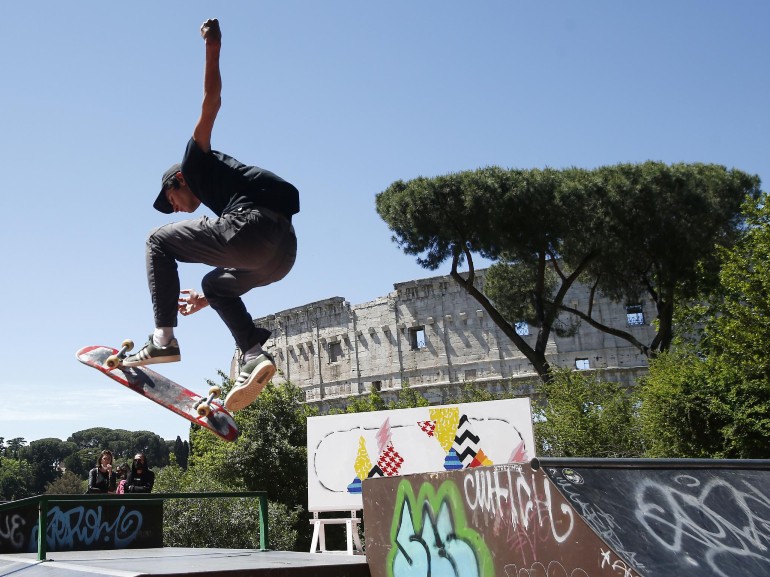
(128, 344)
(215, 391)
(204, 410)
(112, 362)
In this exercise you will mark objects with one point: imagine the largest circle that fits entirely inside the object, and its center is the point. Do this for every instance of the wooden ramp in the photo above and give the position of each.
(573, 518)
(177, 561)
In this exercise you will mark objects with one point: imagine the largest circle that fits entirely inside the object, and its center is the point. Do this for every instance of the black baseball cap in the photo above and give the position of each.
(161, 203)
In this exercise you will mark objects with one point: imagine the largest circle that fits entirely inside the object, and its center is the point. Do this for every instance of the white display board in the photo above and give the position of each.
(343, 450)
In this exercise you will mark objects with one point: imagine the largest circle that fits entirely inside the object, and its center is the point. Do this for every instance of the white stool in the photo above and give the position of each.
(318, 543)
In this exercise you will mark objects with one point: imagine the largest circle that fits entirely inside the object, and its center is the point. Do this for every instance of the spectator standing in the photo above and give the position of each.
(141, 478)
(102, 479)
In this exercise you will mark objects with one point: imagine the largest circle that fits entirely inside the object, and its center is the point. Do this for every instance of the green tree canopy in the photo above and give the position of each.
(271, 452)
(712, 398)
(235, 524)
(406, 398)
(13, 447)
(45, 457)
(68, 484)
(624, 230)
(181, 452)
(269, 455)
(15, 477)
(580, 415)
(123, 444)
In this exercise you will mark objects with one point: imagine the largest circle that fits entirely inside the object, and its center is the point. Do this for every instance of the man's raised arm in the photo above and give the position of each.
(212, 85)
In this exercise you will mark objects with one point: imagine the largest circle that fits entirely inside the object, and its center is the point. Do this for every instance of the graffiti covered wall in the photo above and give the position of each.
(709, 518)
(84, 526)
(505, 520)
(344, 450)
(573, 518)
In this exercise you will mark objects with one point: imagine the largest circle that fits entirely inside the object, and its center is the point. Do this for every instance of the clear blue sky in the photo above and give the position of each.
(340, 98)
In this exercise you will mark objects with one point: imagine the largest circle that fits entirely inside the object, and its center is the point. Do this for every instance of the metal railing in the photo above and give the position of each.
(42, 502)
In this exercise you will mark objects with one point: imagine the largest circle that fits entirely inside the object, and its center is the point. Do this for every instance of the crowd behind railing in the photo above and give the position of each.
(105, 477)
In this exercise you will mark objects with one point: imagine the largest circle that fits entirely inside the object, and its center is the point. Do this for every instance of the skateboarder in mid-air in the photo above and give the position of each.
(251, 242)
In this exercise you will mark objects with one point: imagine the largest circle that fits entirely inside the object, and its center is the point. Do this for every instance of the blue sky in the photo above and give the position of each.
(341, 99)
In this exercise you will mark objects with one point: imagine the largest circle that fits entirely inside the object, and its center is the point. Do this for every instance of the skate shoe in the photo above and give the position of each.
(252, 379)
(151, 354)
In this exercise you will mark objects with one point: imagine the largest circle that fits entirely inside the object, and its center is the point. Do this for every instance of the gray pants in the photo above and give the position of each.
(250, 248)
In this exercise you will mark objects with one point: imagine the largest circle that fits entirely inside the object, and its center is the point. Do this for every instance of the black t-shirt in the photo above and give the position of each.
(140, 482)
(99, 482)
(223, 184)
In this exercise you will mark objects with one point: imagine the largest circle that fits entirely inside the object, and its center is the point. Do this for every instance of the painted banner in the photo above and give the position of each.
(343, 450)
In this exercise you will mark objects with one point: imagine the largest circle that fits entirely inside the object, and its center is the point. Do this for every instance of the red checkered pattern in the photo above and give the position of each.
(390, 461)
(429, 427)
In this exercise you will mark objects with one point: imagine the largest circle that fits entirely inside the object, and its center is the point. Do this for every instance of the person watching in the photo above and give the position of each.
(102, 479)
(140, 479)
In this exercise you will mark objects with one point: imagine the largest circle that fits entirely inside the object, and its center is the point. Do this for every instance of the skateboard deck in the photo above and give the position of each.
(163, 391)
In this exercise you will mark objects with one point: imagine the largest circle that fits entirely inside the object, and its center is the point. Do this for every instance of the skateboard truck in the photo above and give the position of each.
(114, 361)
(203, 406)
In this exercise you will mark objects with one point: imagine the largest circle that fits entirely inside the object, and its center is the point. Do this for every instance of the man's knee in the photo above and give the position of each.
(154, 241)
(214, 285)
(222, 283)
(157, 236)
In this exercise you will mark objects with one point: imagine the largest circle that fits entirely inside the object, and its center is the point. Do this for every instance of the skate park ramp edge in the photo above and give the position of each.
(573, 518)
(191, 562)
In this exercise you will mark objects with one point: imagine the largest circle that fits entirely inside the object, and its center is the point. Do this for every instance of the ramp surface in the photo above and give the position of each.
(675, 517)
(573, 518)
(175, 561)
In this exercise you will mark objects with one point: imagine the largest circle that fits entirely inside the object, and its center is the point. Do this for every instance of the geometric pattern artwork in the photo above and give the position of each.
(451, 462)
(347, 449)
(390, 461)
(362, 466)
(355, 486)
(519, 454)
(427, 427)
(383, 436)
(446, 425)
(455, 432)
(481, 460)
(362, 463)
(466, 442)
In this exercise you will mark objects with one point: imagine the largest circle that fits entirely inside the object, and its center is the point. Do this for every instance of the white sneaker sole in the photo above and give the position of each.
(153, 361)
(245, 394)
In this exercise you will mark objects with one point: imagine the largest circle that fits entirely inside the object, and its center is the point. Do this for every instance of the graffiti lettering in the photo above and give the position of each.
(526, 507)
(554, 569)
(11, 530)
(565, 510)
(681, 518)
(618, 565)
(486, 492)
(483, 490)
(86, 526)
(430, 536)
(599, 520)
(602, 522)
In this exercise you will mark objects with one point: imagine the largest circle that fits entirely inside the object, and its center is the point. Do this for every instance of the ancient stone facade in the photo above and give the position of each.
(432, 334)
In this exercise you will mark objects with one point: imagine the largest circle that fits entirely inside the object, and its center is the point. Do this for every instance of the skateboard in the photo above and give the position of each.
(195, 408)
